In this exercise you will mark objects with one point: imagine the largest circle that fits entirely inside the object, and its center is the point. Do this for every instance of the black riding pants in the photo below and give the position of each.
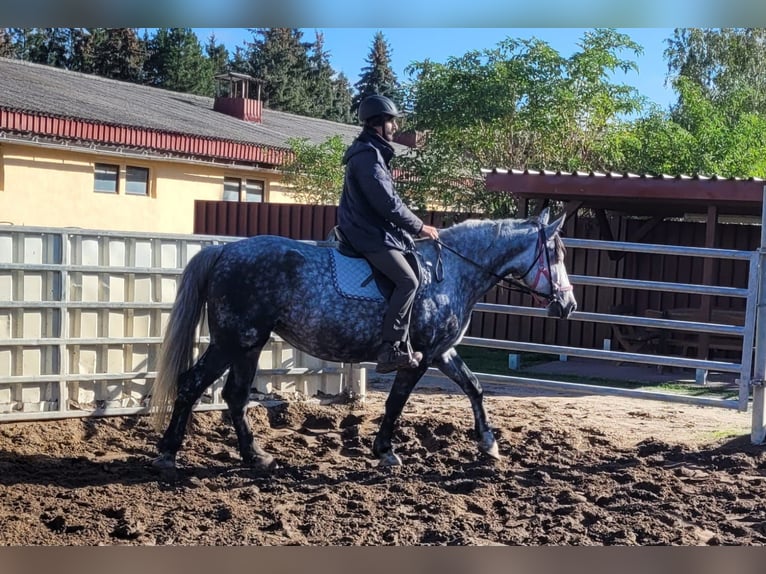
(393, 264)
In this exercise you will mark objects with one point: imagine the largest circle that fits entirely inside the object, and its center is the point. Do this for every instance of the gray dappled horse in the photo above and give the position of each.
(266, 284)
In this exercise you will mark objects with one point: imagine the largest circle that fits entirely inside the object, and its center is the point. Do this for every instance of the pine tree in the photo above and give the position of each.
(377, 77)
(239, 62)
(49, 46)
(176, 62)
(218, 56)
(116, 53)
(320, 81)
(279, 58)
(7, 48)
(341, 100)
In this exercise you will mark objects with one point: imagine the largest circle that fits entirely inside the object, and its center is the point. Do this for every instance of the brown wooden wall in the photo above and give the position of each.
(315, 222)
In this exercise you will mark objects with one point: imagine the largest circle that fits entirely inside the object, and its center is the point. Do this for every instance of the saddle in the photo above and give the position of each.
(355, 278)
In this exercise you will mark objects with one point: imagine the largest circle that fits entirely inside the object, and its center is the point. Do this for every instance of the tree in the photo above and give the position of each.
(377, 77)
(176, 62)
(116, 53)
(341, 100)
(7, 49)
(520, 105)
(700, 137)
(279, 58)
(330, 96)
(239, 61)
(724, 63)
(319, 80)
(49, 46)
(316, 173)
(218, 56)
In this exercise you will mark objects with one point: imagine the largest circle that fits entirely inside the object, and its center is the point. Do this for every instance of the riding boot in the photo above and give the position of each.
(392, 357)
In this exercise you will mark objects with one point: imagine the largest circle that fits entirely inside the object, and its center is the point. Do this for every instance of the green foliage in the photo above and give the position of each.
(49, 46)
(279, 58)
(115, 53)
(330, 97)
(218, 56)
(176, 62)
(520, 105)
(699, 137)
(377, 77)
(316, 174)
(7, 49)
(340, 109)
(725, 63)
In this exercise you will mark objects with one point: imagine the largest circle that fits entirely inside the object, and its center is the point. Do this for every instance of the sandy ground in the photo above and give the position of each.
(576, 470)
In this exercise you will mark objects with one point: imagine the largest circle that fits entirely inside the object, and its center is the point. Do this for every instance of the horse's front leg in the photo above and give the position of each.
(405, 381)
(453, 366)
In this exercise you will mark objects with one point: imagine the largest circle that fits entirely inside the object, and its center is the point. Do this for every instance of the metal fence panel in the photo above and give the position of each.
(81, 321)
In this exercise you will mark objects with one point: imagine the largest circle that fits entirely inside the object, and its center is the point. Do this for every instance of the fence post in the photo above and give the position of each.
(758, 430)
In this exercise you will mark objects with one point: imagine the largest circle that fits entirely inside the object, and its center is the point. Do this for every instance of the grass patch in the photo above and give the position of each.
(495, 361)
(724, 434)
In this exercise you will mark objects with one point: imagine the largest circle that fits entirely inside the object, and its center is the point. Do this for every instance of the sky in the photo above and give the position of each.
(349, 49)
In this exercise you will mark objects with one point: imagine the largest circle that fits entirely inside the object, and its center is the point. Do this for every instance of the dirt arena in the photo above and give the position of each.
(585, 470)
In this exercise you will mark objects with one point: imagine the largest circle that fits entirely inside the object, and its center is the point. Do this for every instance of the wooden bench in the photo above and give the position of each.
(687, 341)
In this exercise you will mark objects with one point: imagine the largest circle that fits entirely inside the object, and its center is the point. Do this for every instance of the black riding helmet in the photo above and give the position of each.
(377, 105)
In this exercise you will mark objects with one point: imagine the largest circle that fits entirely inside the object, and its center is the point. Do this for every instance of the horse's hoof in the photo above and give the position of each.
(164, 462)
(261, 461)
(389, 458)
(488, 445)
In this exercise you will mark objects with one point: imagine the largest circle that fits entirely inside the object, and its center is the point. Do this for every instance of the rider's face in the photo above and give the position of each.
(389, 129)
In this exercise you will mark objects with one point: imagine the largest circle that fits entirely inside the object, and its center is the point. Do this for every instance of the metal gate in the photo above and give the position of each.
(750, 369)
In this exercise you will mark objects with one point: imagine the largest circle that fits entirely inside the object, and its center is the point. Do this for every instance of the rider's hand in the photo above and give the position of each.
(429, 231)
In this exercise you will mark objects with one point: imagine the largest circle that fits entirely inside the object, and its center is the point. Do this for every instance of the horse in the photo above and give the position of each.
(263, 284)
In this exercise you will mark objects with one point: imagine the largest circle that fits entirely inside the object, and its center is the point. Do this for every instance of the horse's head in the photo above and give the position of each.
(546, 275)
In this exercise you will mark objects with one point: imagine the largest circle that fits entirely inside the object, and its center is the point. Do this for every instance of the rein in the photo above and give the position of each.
(515, 284)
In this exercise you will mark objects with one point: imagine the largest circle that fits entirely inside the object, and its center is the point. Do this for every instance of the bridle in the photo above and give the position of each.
(542, 260)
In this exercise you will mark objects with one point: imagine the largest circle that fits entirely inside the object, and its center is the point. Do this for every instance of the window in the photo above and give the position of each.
(254, 191)
(106, 177)
(231, 187)
(234, 186)
(136, 180)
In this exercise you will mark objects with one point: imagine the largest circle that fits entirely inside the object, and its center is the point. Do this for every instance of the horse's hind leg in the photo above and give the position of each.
(453, 366)
(191, 385)
(236, 393)
(405, 381)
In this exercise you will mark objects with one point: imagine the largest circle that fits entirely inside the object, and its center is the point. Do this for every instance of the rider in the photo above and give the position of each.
(372, 217)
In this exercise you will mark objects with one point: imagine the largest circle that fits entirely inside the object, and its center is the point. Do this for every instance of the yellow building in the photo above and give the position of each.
(78, 150)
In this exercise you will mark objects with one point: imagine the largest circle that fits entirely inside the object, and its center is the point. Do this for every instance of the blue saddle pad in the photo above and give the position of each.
(352, 277)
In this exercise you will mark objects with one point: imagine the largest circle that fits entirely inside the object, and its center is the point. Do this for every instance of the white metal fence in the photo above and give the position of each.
(82, 312)
(81, 321)
(750, 369)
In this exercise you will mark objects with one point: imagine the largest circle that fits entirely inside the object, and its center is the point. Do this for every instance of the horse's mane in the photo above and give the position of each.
(474, 230)
(478, 233)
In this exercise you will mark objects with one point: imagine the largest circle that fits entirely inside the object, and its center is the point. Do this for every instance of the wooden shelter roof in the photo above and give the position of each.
(628, 193)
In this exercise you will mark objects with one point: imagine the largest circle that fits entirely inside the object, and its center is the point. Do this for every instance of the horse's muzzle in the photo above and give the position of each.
(557, 309)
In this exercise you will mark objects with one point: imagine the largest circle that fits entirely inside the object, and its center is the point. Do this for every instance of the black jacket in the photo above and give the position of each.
(371, 214)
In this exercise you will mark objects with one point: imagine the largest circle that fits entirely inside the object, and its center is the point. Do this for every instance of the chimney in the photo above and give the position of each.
(233, 96)
(410, 138)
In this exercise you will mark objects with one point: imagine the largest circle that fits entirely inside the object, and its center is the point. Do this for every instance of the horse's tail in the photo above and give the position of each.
(177, 350)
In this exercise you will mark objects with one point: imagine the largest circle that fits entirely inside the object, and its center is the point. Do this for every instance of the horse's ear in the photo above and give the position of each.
(544, 216)
(555, 227)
